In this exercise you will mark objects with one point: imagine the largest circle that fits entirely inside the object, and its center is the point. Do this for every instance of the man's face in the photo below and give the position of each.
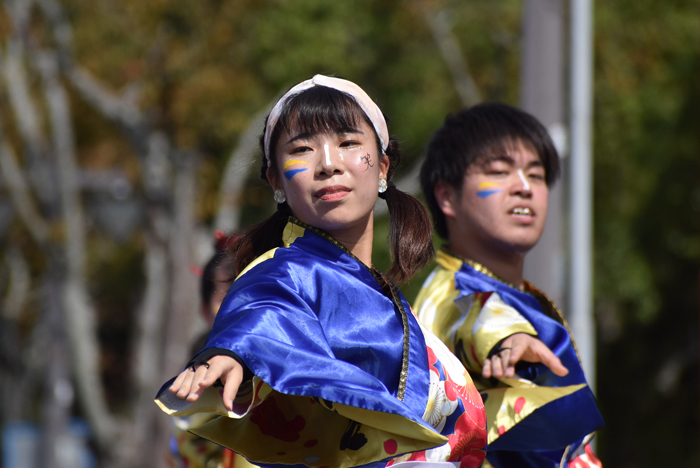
(502, 204)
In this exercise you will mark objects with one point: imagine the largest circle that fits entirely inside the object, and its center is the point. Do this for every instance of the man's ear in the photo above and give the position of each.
(446, 197)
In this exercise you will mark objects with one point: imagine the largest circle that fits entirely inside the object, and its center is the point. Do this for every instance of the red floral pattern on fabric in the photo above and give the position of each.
(473, 404)
(432, 360)
(465, 423)
(586, 460)
(271, 421)
(464, 441)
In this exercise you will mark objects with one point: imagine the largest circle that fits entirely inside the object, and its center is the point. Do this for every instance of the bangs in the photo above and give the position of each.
(319, 110)
(490, 130)
(488, 149)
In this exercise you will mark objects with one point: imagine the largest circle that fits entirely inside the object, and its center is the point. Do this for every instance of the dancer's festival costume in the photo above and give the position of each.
(536, 419)
(342, 372)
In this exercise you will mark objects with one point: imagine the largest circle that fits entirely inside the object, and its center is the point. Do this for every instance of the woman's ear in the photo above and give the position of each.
(272, 178)
(446, 197)
(384, 164)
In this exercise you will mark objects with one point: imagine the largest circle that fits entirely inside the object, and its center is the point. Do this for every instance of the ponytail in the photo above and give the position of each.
(254, 241)
(410, 229)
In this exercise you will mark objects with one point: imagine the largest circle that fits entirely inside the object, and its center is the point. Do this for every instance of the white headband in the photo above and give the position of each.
(368, 106)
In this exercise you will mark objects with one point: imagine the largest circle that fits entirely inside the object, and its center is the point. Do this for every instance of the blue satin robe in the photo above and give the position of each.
(320, 331)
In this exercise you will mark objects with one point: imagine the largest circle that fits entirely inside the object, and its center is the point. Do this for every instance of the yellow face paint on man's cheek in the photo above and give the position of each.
(488, 188)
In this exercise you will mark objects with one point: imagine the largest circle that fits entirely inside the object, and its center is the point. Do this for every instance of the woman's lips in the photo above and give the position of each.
(333, 193)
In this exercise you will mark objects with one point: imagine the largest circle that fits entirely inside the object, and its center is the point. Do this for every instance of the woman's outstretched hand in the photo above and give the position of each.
(190, 384)
(521, 347)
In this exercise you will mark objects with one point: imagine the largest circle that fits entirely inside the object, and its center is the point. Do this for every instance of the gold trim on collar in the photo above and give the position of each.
(527, 288)
(480, 268)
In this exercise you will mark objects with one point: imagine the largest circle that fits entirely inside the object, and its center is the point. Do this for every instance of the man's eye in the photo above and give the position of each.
(497, 173)
(536, 176)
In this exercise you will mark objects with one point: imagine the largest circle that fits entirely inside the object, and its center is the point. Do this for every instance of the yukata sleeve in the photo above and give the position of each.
(471, 325)
(486, 320)
(303, 405)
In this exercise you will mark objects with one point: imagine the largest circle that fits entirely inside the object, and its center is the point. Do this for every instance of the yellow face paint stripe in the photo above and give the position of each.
(292, 162)
(485, 185)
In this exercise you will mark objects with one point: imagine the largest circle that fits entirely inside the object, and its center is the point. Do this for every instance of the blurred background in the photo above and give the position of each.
(128, 134)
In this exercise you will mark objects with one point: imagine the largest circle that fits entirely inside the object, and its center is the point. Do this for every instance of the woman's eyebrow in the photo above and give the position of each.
(307, 135)
(300, 136)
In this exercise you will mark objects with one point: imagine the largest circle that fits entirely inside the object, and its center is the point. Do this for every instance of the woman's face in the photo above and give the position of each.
(330, 179)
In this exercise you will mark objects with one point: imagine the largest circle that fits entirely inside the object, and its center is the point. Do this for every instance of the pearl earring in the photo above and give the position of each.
(280, 196)
(382, 185)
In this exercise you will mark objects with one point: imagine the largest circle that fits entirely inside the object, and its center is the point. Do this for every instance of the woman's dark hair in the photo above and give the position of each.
(321, 109)
(472, 135)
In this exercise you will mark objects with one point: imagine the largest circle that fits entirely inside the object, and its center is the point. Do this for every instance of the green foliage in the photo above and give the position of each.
(647, 215)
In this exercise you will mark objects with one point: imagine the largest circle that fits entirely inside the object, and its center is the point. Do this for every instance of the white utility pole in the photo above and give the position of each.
(581, 242)
(542, 88)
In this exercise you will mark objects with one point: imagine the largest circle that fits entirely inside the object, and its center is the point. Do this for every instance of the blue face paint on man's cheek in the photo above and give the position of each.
(488, 188)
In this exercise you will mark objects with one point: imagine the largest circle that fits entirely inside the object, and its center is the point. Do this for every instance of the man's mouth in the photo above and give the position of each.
(522, 211)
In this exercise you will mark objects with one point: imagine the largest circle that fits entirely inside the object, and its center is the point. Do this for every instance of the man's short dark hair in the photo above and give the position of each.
(473, 134)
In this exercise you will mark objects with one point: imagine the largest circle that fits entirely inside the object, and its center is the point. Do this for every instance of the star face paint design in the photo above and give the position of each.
(526, 185)
(367, 159)
(292, 172)
(488, 188)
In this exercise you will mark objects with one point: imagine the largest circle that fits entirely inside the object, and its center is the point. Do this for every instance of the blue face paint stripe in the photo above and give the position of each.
(486, 193)
(290, 174)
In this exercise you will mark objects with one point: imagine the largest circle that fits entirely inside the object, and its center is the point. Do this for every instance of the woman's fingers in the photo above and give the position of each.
(198, 386)
(175, 386)
(186, 384)
(232, 381)
(190, 384)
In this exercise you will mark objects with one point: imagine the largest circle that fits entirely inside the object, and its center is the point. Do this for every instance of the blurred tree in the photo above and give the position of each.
(111, 103)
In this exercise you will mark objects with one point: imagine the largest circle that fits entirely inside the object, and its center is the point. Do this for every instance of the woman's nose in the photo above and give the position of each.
(331, 160)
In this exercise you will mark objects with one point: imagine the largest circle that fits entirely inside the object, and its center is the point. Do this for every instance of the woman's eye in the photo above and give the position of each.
(536, 176)
(349, 144)
(301, 149)
(497, 173)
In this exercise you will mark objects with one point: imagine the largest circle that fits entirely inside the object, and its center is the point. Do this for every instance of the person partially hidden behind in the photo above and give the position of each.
(186, 449)
(486, 180)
